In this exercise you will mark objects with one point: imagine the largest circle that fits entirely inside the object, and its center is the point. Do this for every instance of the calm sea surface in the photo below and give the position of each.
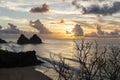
(56, 47)
(66, 48)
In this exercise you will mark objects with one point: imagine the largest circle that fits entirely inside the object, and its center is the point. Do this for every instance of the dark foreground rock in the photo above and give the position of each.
(2, 41)
(21, 59)
(35, 39)
(23, 40)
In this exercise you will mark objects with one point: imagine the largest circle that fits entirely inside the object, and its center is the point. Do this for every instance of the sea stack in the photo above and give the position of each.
(22, 40)
(35, 39)
(2, 41)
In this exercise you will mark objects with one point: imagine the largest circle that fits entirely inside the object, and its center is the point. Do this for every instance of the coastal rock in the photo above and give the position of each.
(23, 40)
(11, 59)
(2, 41)
(35, 39)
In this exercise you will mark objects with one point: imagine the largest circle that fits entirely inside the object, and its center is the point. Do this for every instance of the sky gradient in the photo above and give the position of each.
(59, 16)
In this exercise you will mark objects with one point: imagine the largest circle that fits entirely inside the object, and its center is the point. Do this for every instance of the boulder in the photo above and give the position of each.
(23, 40)
(2, 41)
(11, 59)
(28, 58)
(35, 39)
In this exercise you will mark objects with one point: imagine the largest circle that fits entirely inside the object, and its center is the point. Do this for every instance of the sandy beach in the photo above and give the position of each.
(23, 73)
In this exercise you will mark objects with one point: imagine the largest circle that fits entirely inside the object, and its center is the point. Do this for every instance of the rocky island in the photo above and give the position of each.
(33, 40)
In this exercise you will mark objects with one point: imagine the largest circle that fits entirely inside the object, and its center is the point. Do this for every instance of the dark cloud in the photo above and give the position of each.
(39, 26)
(12, 29)
(115, 32)
(112, 33)
(100, 31)
(92, 34)
(78, 31)
(74, 2)
(104, 34)
(91, 0)
(104, 9)
(62, 21)
(41, 9)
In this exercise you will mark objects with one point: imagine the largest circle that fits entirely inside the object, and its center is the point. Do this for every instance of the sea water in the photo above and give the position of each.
(63, 47)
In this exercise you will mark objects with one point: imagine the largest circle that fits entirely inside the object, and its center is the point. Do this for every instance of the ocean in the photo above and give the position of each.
(56, 47)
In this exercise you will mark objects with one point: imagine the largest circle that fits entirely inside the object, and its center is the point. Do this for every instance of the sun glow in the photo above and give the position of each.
(69, 30)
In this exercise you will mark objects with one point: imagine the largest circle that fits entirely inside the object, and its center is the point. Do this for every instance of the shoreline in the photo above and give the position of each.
(22, 73)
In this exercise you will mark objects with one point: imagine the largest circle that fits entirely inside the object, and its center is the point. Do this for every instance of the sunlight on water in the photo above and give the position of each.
(65, 48)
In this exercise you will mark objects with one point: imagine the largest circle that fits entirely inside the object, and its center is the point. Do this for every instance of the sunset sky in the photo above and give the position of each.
(60, 16)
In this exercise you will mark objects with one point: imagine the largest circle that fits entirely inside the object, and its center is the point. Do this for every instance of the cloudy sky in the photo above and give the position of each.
(59, 16)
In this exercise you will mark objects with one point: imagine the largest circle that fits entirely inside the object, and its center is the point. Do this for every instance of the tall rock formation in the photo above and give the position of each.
(35, 39)
(22, 40)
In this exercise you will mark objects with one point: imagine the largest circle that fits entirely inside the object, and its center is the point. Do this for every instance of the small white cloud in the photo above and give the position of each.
(15, 20)
(64, 12)
(15, 6)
